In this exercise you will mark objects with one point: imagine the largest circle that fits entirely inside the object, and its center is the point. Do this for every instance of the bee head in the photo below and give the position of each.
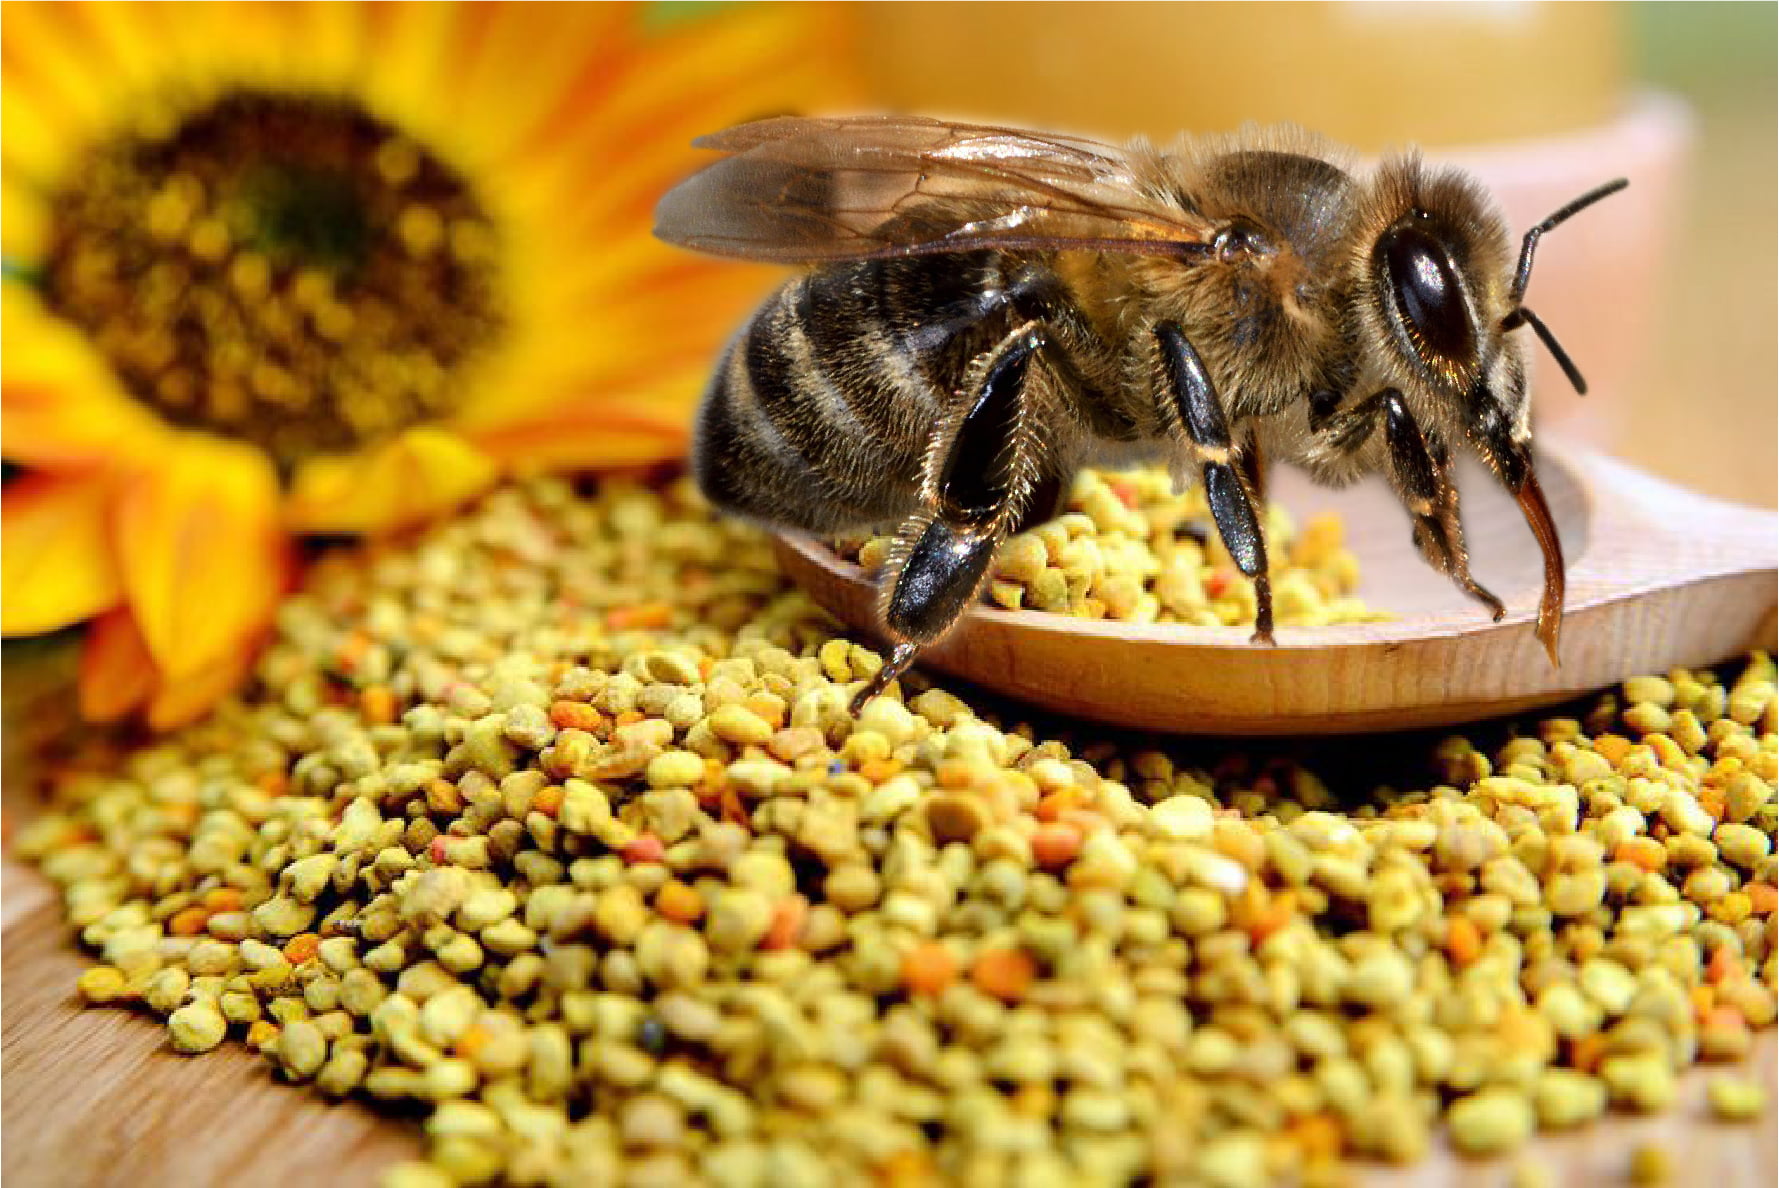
(1443, 298)
(1434, 261)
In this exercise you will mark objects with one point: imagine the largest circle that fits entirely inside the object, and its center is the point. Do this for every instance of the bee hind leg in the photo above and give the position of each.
(983, 466)
(901, 657)
(1048, 498)
(1232, 474)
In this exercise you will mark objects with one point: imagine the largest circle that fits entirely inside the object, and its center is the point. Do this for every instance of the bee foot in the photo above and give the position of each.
(895, 666)
(1496, 610)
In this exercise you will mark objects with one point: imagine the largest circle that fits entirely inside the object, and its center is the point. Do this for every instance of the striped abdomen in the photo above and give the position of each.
(821, 410)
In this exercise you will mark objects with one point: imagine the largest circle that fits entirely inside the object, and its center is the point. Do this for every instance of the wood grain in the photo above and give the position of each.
(1658, 577)
(95, 1098)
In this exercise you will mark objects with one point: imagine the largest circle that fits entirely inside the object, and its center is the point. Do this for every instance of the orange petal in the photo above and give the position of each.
(117, 674)
(588, 434)
(202, 554)
(60, 403)
(516, 61)
(56, 566)
(420, 473)
(119, 677)
(182, 700)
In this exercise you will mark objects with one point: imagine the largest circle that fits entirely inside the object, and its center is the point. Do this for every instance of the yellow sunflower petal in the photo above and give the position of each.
(341, 37)
(202, 555)
(277, 60)
(127, 41)
(646, 357)
(117, 674)
(290, 47)
(60, 93)
(589, 433)
(179, 43)
(179, 702)
(615, 331)
(32, 149)
(421, 473)
(60, 403)
(411, 84)
(520, 62)
(56, 567)
(635, 113)
(24, 221)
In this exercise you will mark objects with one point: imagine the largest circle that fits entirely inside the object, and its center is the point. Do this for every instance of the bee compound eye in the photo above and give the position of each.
(1427, 291)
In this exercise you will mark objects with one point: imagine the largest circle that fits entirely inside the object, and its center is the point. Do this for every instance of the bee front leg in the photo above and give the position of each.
(982, 469)
(1231, 473)
(1420, 473)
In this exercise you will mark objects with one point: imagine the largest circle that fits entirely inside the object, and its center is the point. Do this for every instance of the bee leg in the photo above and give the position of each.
(1250, 467)
(901, 658)
(982, 470)
(1046, 503)
(1420, 472)
(1231, 497)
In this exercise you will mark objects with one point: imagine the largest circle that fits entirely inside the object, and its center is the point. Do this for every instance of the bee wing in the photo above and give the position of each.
(812, 190)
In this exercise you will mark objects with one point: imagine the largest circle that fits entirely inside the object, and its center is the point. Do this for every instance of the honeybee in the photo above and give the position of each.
(991, 309)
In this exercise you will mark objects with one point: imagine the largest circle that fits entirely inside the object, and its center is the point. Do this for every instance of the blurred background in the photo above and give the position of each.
(1664, 295)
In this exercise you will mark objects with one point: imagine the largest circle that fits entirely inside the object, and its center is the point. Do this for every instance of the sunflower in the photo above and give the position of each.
(281, 269)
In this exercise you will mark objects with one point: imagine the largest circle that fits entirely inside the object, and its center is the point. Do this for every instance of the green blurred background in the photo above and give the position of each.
(1716, 349)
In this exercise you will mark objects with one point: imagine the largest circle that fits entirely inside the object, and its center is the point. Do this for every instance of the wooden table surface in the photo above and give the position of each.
(95, 1097)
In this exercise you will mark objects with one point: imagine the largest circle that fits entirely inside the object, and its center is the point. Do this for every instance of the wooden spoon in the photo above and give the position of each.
(1658, 577)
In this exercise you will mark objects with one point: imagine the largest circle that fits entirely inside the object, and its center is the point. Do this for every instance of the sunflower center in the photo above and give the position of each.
(283, 269)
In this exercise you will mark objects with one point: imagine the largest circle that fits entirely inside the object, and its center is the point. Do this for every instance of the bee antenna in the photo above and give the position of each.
(1530, 244)
(1522, 315)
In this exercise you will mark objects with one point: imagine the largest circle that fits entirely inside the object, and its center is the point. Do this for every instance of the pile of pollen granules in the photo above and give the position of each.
(554, 820)
(1129, 546)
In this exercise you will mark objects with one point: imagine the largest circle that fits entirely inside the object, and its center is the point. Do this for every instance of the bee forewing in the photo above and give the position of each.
(814, 190)
(809, 138)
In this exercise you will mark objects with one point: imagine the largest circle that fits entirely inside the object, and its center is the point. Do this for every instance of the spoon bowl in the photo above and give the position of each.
(1659, 577)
